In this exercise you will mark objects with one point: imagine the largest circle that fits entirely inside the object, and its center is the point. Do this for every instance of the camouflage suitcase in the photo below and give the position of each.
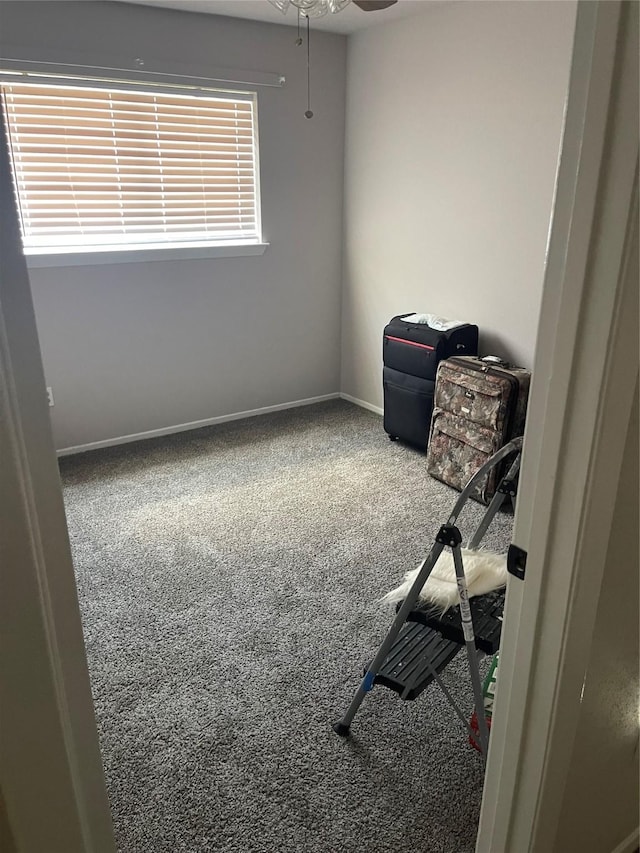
(479, 405)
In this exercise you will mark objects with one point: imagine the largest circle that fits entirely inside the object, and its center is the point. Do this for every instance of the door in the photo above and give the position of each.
(585, 373)
(48, 740)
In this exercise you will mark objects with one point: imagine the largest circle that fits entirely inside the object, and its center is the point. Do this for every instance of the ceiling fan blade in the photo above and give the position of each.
(373, 5)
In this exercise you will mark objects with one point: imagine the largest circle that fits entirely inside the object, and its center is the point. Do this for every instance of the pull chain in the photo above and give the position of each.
(299, 39)
(308, 111)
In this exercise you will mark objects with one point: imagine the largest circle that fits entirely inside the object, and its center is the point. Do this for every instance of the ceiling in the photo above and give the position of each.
(349, 20)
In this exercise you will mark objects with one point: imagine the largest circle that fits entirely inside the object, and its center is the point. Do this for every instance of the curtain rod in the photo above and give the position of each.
(141, 72)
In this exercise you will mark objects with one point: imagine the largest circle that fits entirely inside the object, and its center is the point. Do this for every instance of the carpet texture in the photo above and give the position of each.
(229, 581)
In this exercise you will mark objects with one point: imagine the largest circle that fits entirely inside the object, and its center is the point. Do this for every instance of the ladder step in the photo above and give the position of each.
(406, 667)
(486, 612)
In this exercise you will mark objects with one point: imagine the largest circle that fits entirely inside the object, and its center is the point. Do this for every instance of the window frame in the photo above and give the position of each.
(160, 251)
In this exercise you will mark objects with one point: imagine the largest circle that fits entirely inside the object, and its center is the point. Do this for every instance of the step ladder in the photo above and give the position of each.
(486, 615)
(428, 642)
(421, 642)
(416, 655)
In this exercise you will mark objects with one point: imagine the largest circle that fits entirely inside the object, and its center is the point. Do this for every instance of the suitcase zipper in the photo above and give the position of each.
(409, 343)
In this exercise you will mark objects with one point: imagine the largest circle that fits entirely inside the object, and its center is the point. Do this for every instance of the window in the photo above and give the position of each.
(99, 169)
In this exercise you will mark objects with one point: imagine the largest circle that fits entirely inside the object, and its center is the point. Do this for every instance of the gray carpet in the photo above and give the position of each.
(228, 580)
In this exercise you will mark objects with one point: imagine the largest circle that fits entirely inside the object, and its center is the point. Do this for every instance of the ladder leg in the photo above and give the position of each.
(342, 726)
(469, 637)
(494, 506)
(451, 700)
(496, 502)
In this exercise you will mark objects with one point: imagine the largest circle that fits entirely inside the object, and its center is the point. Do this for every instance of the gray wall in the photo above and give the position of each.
(135, 347)
(454, 122)
(453, 129)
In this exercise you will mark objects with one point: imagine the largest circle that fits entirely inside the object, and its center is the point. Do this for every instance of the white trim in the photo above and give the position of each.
(170, 430)
(630, 843)
(133, 256)
(362, 403)
(579, 411)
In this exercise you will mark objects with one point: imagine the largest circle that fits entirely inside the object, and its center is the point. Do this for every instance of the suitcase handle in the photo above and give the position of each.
(495, 359)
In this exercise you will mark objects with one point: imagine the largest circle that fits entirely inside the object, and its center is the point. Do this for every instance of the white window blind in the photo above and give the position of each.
(111, 168)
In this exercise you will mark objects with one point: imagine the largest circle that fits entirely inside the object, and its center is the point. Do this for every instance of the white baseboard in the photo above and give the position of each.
(155, 433)
(364, 405)
(630, 843)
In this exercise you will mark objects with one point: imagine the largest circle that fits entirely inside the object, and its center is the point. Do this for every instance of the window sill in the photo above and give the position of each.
(132, 256)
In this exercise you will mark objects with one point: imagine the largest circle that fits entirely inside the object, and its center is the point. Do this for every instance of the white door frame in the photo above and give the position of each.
(585, 373)
(51, 779)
